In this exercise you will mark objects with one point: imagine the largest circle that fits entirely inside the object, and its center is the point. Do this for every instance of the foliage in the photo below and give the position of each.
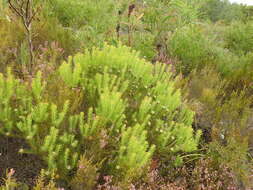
(187, 11)
(11, 36)
(77, 13)
(239, 38)
(234, 156)
(133, 154)
(103, 117)
(93, 21)
(86, 175)
(12, 184)
(189, 45)
(217, 10)
(59, 133)
(224, 119)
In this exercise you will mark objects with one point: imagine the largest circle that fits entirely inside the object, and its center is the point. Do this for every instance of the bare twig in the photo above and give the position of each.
(25, 10)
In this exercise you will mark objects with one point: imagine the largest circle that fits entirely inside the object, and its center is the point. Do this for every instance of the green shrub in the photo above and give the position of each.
(156, 15)
(43, 183)
(99, 103)
(235, 68)
(191, 47)
(90, 22)
(75, 13)
(235, 156)
(49, 30)
(188, 12)
(217, 10)
(239, 37)
(106, 118)
(144, 43)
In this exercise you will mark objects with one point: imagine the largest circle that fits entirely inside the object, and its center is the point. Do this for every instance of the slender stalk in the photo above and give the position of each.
(130, 11)
(24, 9)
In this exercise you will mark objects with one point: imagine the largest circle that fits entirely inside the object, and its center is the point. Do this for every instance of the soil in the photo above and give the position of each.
(26, 166)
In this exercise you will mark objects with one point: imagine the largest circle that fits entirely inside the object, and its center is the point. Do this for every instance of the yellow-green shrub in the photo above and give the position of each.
(110, 95)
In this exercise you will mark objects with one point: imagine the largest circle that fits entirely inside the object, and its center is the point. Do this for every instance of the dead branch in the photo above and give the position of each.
(25, 10)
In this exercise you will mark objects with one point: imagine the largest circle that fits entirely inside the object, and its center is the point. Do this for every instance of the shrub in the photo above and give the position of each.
(224, 116)
(86, 175)
(217, 10)
(233, 155)
(90, 22)
(108, 99)
(50, 30)
(42, 183)
(12, 36)
(133, 154)
(144, 43)
(191, 47)
(187, 11)
(239, 37)
(75, 13)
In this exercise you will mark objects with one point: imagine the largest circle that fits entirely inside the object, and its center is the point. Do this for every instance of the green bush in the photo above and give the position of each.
(106, 118)
(217, 10)
(235, 68)
(74, 13)
(112, 104)
(90, 22)
(239, 37)
(49, 30)
(191, 47)
(188, 12)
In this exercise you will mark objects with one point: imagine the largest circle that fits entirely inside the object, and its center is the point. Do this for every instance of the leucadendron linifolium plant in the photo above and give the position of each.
(126, 94)
(108, 104)
(11, 92)
(26, 113)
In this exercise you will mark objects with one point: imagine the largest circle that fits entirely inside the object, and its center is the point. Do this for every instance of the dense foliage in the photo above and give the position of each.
(126, 94)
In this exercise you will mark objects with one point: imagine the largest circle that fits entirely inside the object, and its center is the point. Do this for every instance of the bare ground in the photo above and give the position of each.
(26, 166)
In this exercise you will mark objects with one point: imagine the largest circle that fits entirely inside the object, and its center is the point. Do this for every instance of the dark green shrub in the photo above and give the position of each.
(217, 10)
(190, 47)
(239, 37)
(90, 22)
(75, 13)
